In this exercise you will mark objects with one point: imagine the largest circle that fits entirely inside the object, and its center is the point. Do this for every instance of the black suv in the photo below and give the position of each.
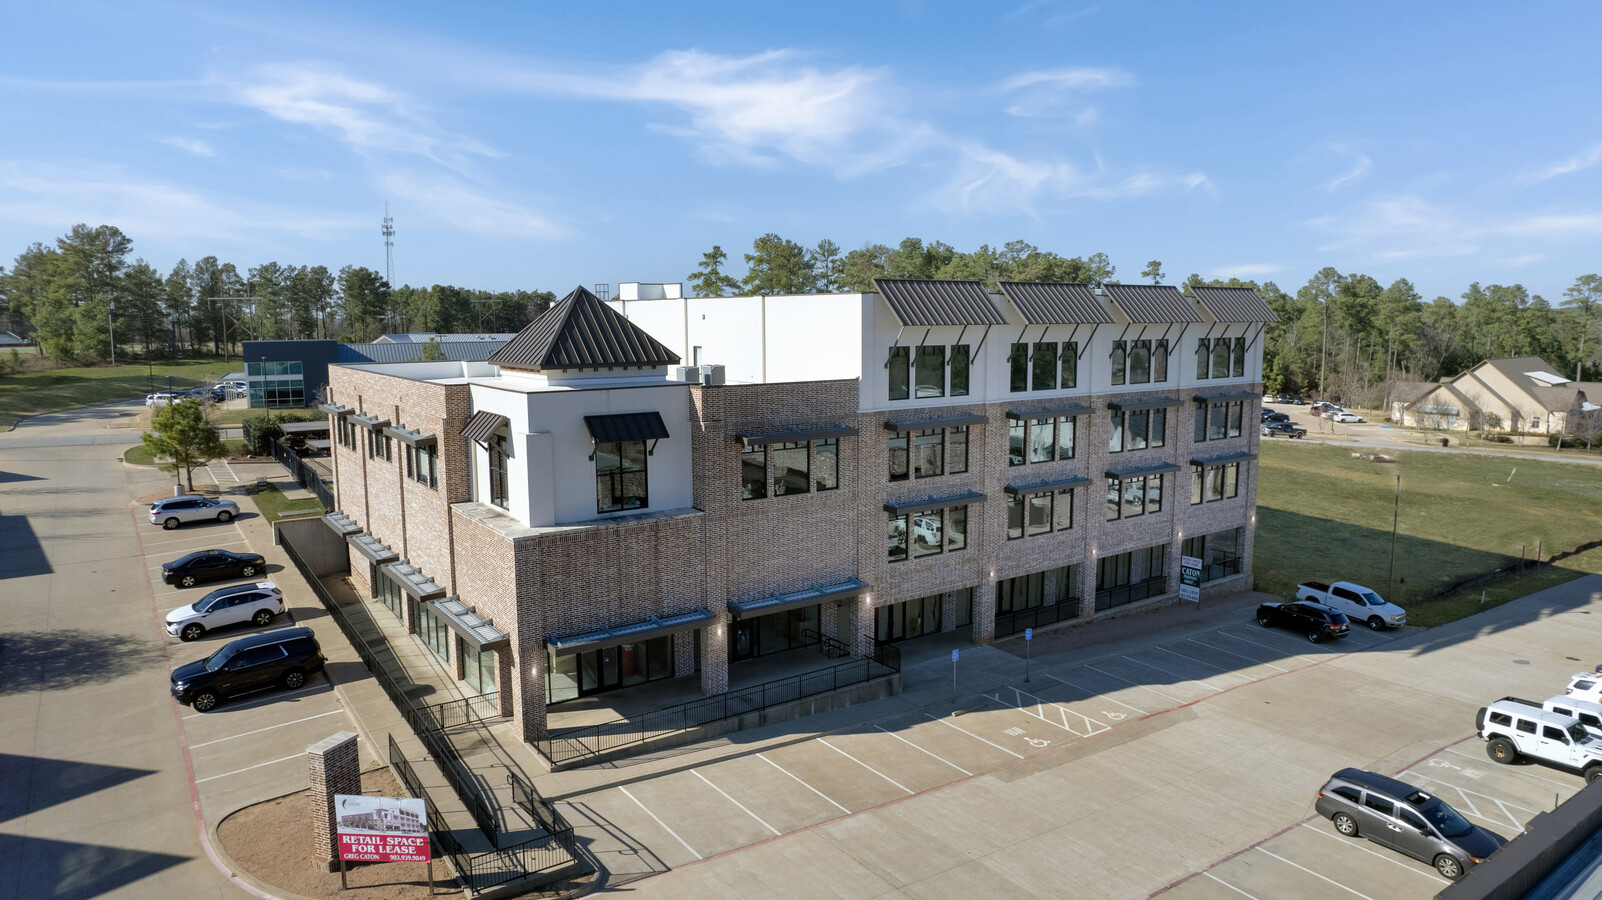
(1317, 621)
(206, 565)
(284, 657)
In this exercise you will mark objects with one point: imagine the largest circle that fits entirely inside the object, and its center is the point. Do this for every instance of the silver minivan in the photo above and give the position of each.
(1397, 815)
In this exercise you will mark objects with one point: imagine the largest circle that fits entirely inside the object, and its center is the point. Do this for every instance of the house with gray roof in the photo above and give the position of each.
(1513, 395)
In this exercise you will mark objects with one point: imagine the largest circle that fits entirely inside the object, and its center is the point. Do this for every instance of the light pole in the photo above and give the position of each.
(111, 327)
(1396, 514)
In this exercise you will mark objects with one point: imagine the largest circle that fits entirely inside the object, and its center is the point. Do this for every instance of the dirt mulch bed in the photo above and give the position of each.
(272, 842)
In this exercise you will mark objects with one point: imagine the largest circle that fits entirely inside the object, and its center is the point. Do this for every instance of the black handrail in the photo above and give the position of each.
(304, 475)
(1036, 616)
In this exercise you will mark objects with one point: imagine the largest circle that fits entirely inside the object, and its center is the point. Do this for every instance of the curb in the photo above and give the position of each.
(234, 868)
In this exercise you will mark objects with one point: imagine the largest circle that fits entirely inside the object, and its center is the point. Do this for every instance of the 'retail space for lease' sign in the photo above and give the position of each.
(382, 829)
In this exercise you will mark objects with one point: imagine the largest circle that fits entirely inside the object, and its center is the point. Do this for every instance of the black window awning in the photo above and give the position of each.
(412, 438)
(335, 410)
(902, 426)
(912, 506)
(341, 524)
(1136, 471)
(1225, 458)
(413, 581)
(372, 548)
(1046, 487)
(920, 302)
(482, 425)
(654, 627)
(1143, 403)
(479, 633)
(1064, 410)
(1227, 395)
(794, 435)
(750, 609)
(640, 426)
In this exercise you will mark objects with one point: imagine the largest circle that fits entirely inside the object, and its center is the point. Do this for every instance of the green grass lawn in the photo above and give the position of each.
(53, 390)
(274, 505)
(1324, 515)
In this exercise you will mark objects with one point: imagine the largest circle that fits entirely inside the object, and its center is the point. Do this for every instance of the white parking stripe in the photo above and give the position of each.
(268, 728)
(915, 747)
(1516, 770)
(865, 765)
(1135, 683)
(1360, 846)
(975, 736)
(1091, 725)
(1166, 672)
(660, 822)
(1221, 669)
(803, 783)
(1464, 793)
(1278, 650)
(1228, 885)
(1094, 695)
(301, 755)
(1237, 655)
(735, 802)
(1315, 874)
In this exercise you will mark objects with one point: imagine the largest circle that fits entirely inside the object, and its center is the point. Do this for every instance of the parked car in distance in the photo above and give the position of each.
(1272, 416)
(1587, 711)
(1283, 429)
(233, 605)
(170, 512)
(1319, 406)
(1343, 416)
(1358, 603)
(1283, 398)
(161, 398)
(1585, 686)
(1397, 815)
(210, 565)
(1315, 620)
(1513, 728)
(283, 657)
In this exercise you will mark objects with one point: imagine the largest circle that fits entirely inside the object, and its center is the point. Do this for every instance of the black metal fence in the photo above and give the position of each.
(304, 475)
(1034, 617)
(593, 741)
(1129, 593)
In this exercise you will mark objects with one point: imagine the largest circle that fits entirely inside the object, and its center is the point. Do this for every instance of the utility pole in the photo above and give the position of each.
(1396, 516)
(225, 318)
(111, 326)
(1323, 354)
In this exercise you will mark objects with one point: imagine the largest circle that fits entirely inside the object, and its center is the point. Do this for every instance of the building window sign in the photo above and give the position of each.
(620, 476)
(1217, 555)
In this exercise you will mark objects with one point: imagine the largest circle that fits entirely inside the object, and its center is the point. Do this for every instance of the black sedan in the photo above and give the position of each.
(209, 565)
(1319, 622)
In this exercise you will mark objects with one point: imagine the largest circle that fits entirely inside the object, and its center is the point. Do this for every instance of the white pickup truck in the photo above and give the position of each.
(1358, 603)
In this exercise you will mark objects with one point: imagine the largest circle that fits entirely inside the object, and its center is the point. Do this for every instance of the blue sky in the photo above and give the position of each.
(541, 145)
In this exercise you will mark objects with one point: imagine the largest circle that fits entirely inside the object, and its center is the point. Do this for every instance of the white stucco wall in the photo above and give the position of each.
(759, 339)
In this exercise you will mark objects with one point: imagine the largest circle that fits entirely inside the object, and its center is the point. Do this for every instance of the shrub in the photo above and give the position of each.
(260, 432)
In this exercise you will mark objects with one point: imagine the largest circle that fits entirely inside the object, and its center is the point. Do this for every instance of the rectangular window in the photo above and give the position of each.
(1070, 364)
(1115, 434)
(1065, 437)
(478, 670)
(1236, 409)
(1201, 421)
(959, 370)
(406, 453)
(926, 539)
(900, 453)
(1015, 516)
(928, 453)
(1064, 510)
(898, 537)
(1221, 347)
(1217, 421)
(1154, 493)
(1159, 428)
(957, 449)
(1140, 362)
(1016, 430)
(964, 607)
(1237, 361)
(826, 463)
(1018, 362)
(1215, 482)
(1203, 356)
(1197, 478)
(1159, 361)
(497, 471)
(754, 472)
(1117, 361)
(1042, 443)
(1134, 496)
(1044, 365)
(1021, 592)
(1232, 480)
(1136, 439)
(898, 373)
(620, 476)
(1114, 499)
(930, 369)
(434, 632)
(1040, 513)
(790, 470)
(956, 528)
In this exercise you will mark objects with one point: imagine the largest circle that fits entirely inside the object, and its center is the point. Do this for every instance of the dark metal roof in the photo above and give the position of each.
(1152, 304)
(1233, 304)
(746, 609)
(793, 435)
(1041, 487)
(451, 351)
(1143, 403)
(1056, 303)
(640, 426)
(1049, 411)
(1148, 469)
(902, 426)
(628, 634)
(912, 506)
(1224, 458)
(412, 438)
(918, 302)
(477, 631)
(1227, 395)
(482, 425)
(581, 332)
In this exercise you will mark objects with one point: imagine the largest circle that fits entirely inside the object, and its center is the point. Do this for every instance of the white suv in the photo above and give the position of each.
(1588, 712)
(1585, 686)
(233, 605)
(1514, 728)
(170, 512)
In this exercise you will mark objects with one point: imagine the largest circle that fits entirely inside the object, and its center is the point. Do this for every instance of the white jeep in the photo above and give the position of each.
(1513, 728)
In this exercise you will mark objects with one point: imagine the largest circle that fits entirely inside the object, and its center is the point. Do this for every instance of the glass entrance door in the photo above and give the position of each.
(743, 639)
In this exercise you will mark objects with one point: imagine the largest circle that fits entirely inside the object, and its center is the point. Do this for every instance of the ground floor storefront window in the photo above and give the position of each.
(904, 621)
(434, 632)
(1128, 577)
(479, 668)
(573, 675)
(1219, 553)
(387, 592)
(773, 633)
(1021, 601)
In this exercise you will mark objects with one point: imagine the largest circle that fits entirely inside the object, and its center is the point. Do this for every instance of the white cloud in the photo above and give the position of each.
(446, 199)
(1409, 227)
(1058, 92)
(1576, 163)
(1359, 168)
(987, 180)
(198, 148)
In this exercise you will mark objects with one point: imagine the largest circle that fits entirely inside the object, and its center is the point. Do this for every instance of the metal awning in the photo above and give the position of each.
(413, 438)
(1044, 487)
(320, 444)
(304, 427)
(1064, 410)
(480, 633)
(920, 302)
(341, 523)
(1225, 458)
(800, 433)
(640, 426)
(1233, 305)
(902, 426)
(368, 421)
(652, 627)
(1227, 395)
(413, 581)
(335, 410)
(1133, 471)
(750, 609)
(482, 425)
(371, 547)
(1143, 403)
(1056, 303)
(1152, 304)
(912, 506)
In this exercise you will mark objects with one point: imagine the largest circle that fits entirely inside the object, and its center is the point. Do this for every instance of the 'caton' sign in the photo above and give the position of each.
(382, 829)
